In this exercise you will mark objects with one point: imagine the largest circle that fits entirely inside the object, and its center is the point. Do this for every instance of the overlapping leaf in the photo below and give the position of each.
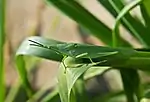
(86, 19)
(134, 26)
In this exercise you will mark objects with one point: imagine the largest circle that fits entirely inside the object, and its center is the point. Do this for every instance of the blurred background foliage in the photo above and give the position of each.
(34, 17)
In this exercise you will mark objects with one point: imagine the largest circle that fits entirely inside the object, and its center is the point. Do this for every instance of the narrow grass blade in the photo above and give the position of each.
(13, 91)
(23, 74)
(131, 78)
(45, 94)
(114, 7)
(126, 9)
(2, 41)
(106, 4)
(86, 19)
(52, 96)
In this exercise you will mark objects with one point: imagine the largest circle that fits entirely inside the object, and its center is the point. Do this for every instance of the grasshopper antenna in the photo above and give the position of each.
(36, 43)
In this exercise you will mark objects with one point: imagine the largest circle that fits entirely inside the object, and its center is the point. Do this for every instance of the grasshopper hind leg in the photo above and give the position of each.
(96, 63)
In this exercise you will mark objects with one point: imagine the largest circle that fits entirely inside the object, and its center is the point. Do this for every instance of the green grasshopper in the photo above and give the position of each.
(72, 50)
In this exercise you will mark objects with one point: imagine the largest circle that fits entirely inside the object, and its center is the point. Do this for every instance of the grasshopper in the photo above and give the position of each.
(71, 49)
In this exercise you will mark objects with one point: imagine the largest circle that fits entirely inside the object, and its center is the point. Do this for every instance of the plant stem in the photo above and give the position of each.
(2, 39)
(132, 84)
(126, 85)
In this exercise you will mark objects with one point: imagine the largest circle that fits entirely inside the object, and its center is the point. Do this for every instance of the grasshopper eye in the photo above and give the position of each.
(75, 45)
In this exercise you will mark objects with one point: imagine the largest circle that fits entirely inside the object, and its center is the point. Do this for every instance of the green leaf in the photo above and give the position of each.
(130, 77)
(125, 10)
(67, 80)
(110, 8)
(2, 41)
(114, 7)
(45, 94)
(53, 96)
(86, 19)
(28, 50)
(113, 57)
(145, 10)
(13, 91)
(23, 74)
(94, 71)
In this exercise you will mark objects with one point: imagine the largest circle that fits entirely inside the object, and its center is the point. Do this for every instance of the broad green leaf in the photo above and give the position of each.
(28, 50)
(86, 19)
(67, 79)
(2, 41)
(62, 85)
(125, 10)
(125, 58)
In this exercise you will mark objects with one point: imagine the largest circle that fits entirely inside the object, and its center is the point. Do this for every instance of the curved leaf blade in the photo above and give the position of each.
(67, 80)
(94, 71)
(114, 7)
(121, 15)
